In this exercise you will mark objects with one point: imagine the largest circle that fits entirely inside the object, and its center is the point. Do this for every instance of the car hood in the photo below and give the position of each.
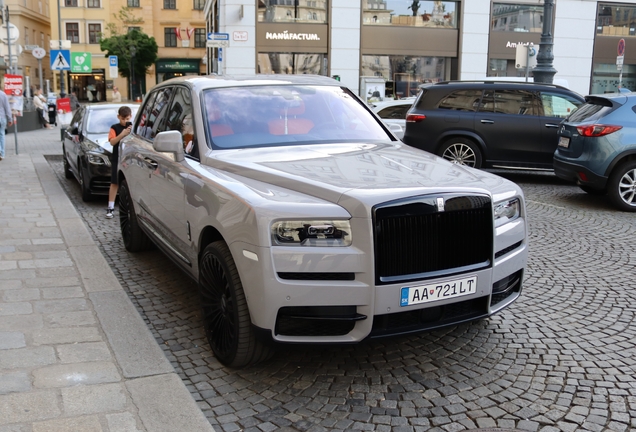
(358, 176)
(101, 139)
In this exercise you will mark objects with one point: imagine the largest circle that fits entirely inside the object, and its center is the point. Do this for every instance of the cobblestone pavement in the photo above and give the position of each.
(562, 358)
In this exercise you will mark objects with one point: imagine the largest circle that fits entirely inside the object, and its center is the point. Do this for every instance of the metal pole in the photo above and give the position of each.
(59, 28)
(527, 62)
(544, 72)
(40, 70)
(15, 123)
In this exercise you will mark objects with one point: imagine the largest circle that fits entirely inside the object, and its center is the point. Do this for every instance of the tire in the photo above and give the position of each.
(135, 240)
(621, 186)
(67, 168)
(84, 183)
(461, 151)
(226, 317)
(592, 191)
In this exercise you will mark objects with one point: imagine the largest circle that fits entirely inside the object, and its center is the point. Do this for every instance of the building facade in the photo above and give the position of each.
(33, 22)
(406, 43)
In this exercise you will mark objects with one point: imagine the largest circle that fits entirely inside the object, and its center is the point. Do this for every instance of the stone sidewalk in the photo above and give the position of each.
(74, 353)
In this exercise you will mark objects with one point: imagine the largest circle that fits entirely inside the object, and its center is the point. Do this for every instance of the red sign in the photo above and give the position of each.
(13, 85)
(64, 106)
(621, 47)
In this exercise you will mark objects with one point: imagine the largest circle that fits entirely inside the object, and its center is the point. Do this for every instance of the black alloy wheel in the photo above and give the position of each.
(226, 316)
(67, 167)
(461, 151)
(84, 182)
(135, 240)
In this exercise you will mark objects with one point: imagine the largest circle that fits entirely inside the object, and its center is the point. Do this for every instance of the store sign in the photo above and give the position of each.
(516, 44)
(163, 66)
(286, 35)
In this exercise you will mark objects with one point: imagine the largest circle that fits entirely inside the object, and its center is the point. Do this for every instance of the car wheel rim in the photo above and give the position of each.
(124, 217)
(627, 187)
(460, 154)
(218, 306)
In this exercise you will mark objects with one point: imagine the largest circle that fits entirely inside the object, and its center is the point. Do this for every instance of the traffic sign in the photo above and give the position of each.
(55, 44)
(81, 62)
(38, 53)
(113, 70)
(218, 40)
(621, 47)
(60, 60)
(113, 61)
(13, 33)
(219, 36)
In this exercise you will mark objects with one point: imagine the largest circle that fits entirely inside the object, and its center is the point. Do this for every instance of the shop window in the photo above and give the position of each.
(70, 3)
(72, 32)
(170, 37)
(133, 3)
(198, 4)
(291, 64)
(517, 17)
(94, 32)
(26, 36)
(616, 20)
(200, 38)
(404, 74)
(314, 11)
(170, 4)
(93, 3)
(415, 13)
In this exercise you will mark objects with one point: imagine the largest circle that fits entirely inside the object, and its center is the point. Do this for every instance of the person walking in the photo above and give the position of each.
(6, 120)
(74, 102)
(117, 132)
(38, 101)
(116, 95)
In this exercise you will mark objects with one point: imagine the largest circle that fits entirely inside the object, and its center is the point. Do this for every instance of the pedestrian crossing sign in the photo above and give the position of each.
(60, 59)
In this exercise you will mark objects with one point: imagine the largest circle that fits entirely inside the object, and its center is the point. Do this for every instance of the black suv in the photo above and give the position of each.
(490, 123)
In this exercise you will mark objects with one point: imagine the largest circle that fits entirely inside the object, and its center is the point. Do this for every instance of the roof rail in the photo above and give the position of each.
(494, 81)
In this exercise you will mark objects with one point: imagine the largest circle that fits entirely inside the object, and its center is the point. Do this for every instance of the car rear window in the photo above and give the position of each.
(592, 111)
(271, 115)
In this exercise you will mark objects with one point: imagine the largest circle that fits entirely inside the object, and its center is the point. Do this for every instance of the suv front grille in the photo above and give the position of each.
(417, 238)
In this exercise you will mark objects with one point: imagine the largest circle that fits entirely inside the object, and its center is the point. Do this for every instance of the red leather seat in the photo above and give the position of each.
(217, 128)
(289, 123)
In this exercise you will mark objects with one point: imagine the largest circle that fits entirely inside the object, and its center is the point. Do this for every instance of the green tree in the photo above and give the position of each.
(124, 46)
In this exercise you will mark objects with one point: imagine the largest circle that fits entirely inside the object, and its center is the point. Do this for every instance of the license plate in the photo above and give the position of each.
(564, 142)
(439, 291)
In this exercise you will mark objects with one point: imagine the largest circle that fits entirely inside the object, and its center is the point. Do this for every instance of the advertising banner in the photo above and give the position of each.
(13, 90)
(64, 106)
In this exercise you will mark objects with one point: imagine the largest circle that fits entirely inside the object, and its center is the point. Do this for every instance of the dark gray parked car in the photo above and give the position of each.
(490, 123)
(86, 150)
(597, 148)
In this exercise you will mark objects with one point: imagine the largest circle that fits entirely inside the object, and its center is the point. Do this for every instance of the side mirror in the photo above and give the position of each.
(169, 142)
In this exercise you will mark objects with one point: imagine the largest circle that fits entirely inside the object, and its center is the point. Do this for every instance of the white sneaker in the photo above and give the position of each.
(109, 213)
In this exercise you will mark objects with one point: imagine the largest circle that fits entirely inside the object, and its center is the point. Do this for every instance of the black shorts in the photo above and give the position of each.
(114, 159)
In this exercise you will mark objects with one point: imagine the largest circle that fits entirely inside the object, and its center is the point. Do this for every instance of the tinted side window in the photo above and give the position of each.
(141, 126)
(558, 105)
(517, 102)
(394, 112)
(154, 113)
(462, 100)
(180, 118)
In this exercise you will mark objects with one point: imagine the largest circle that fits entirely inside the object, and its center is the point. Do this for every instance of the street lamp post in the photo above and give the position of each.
(133, 51)
(544, 71)
(59, 28)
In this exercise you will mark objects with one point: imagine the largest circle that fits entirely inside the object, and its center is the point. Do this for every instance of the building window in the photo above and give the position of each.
(200, 38)
(94, 31)
(288, 63)
(301, 11)
(132, 29)
(72, 32)
(614, 20)
(170, 4)
(93, 3)
(70, 3)
(198, 4)
(421, 13)
(170, 37)
(26, 36)
(133, 3)
(523, 18)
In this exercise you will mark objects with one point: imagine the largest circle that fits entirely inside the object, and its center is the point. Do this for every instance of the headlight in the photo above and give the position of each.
(311, 233)
(507, 211)
(98, 159)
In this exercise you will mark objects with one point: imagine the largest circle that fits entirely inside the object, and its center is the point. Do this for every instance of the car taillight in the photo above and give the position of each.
(597, 130)
(415, 118)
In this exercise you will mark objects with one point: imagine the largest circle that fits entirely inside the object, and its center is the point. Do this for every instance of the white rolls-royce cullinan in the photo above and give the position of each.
(305, 220)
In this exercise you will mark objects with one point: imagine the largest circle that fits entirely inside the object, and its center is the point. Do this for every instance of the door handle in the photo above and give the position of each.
(551, 125)
(151, 163)
(488, 121)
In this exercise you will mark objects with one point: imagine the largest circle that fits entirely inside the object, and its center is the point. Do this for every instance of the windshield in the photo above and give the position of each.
(255, 116)
(100, 120)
